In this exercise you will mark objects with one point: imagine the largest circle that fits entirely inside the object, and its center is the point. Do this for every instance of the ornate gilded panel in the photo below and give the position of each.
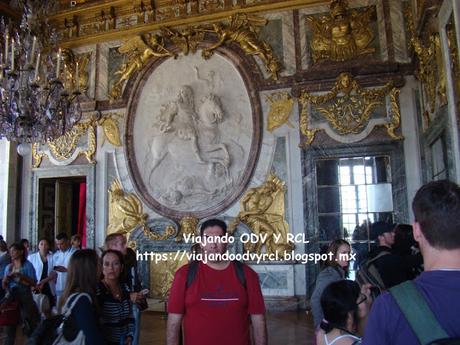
(430, 69)
(80, 140)
(454, 62)
(162, 273)
(127, 213)
(341, 35)
(348, 111)
(262, 210)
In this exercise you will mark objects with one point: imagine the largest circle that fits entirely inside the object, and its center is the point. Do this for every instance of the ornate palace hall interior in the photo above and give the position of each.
(297, 122)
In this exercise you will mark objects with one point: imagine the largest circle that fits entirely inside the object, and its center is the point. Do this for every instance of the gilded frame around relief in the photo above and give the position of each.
(211, 113)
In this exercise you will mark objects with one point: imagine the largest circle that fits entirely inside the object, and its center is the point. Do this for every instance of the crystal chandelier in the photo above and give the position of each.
(39, 84)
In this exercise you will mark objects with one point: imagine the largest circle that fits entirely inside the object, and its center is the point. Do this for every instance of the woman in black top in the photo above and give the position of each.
(114, 300)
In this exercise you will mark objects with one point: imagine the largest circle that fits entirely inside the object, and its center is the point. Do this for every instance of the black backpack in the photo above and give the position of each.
(419, 315)
(369, 274)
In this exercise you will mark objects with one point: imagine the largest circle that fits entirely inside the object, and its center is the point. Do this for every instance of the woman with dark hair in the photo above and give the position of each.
(344, 305)
(114, 300)
(46, 277)
(407, 248)
(82, 279)
(18, 279)
(335, 268)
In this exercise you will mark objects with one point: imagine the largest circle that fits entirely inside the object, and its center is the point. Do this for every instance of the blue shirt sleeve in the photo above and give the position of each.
(29, 271)
(85, 319)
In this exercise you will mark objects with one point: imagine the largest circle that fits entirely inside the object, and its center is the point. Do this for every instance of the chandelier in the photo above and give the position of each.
(39, 83)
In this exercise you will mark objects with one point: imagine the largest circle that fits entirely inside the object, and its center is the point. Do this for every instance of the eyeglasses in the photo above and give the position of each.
(362, 298)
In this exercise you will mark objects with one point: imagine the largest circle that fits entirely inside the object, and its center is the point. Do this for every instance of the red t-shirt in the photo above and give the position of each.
(216, 306)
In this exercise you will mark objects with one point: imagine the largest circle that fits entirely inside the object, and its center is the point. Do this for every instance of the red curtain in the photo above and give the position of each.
(81, 226)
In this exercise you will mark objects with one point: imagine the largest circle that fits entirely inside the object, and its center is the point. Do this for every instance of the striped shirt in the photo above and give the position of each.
(117, 317)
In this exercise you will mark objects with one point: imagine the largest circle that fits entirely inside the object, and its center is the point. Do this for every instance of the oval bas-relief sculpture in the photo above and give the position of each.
(192, 135)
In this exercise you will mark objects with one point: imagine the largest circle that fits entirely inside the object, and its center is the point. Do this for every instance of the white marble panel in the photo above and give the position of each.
(288, 42)
(103, 69)
(276, 280)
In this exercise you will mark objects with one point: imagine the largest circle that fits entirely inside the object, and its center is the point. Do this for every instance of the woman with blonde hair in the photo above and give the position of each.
(83, 275)
(335, 268)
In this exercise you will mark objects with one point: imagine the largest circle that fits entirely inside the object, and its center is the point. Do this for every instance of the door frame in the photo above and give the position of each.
(86, 171)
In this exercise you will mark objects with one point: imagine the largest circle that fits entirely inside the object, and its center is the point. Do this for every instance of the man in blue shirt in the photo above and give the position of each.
(436, 227)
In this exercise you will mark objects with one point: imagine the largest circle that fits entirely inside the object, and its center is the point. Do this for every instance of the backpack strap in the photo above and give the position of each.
(239, 269)
(378, 256)
(193, 270)
(191, 274)
(417, 312)
(73, 299)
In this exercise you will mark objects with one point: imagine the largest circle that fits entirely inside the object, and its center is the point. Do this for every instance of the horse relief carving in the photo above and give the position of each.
(189, 164)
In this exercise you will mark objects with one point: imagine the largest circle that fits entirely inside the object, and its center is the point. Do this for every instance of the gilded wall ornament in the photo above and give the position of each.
(186, 40)
(454, 63)
(281, 105)
(127, 213)
(430, 66)
(244, 29)
(71, 60)
(162, 274)
(139, 50)
(109, 124)
(187, 226)
(262, 209)
(342, 35)
(348, 107)
(240, 28)
(64, 148)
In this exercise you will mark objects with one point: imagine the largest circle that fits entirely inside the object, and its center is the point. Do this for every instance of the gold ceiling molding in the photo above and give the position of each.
(262, 209)
(119, 19)
(127, 213)
(281, 105)
(430, 66)
(63, 148)
(348, 108)
(343, 34)
(240, 28)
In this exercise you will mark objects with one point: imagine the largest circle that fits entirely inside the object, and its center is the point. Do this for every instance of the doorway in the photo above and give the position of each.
(62, 207)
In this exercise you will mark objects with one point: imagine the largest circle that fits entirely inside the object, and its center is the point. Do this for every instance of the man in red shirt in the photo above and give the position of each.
(218, 306)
